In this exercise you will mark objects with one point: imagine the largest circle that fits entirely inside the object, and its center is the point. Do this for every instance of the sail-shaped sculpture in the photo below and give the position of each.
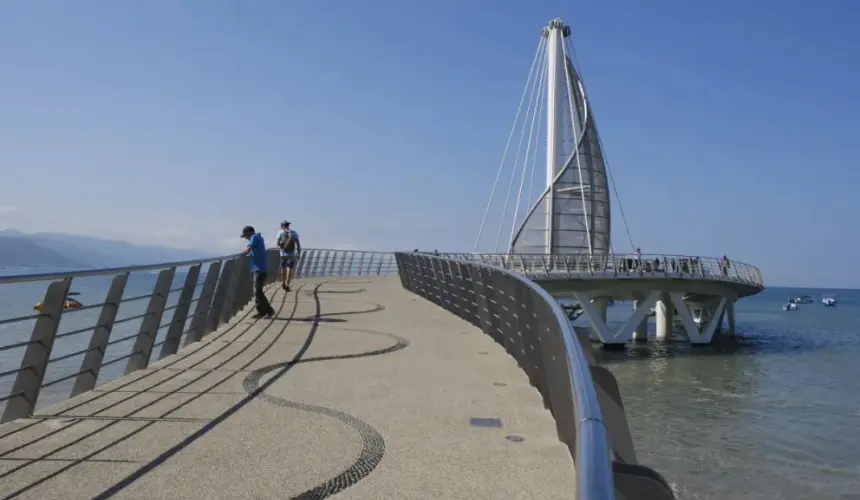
(572, 216)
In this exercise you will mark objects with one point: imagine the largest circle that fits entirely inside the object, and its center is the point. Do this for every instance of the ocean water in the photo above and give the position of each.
(772, 415)
(18, 299)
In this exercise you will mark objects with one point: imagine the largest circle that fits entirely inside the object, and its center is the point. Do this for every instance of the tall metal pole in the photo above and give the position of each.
(556, 90)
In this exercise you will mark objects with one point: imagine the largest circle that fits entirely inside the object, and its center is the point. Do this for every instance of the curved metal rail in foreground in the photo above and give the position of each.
(584, 399)
(576, 266)
(216, 292)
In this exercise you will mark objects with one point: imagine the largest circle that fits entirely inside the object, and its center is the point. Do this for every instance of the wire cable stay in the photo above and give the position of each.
(538, 77)
(535, 60)
(575, 132)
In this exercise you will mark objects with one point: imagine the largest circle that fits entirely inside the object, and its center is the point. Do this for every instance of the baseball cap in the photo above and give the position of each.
(246, 230)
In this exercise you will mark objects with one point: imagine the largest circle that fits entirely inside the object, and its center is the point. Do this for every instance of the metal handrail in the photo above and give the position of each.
(226, 289)
(594, 473)
(563, 266)
(86, 273)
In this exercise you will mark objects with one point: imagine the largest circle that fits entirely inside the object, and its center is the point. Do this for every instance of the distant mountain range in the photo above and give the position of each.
(58, 250)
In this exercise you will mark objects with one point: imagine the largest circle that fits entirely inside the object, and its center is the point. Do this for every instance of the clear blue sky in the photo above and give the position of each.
(730, 126)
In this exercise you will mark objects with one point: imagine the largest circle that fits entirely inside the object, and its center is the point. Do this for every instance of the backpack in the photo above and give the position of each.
(287, 243)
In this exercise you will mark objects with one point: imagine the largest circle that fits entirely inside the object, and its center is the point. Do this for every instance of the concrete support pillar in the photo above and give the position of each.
(600, 305)
(665, 312)
(640, 334)
(712, 309)
(730, 312)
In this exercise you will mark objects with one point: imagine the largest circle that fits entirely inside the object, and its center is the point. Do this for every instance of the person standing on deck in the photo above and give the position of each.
(288, 242)
(256, 249)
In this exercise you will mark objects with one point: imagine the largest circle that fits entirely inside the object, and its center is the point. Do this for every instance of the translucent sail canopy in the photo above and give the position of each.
(572, 216)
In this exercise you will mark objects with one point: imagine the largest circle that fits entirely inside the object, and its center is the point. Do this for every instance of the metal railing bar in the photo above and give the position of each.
(75, 332)
(16, 370)
(61, 379)
(117, 360)
(71, 355)
(122, 339)
(138, 297)
(11, 396)
(110, 270)
(16, 345)
(130, 318)
(29, 317)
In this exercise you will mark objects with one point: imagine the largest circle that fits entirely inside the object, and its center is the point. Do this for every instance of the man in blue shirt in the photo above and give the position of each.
(288, 242)
(257, 250)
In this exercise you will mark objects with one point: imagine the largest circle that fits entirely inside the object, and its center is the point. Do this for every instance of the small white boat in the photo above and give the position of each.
(791, 306)
(803, 299)
(828, 301)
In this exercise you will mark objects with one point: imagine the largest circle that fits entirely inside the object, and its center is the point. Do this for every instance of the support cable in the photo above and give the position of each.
(507, 146)
(542, 50)
(538, 106)
(572, 52)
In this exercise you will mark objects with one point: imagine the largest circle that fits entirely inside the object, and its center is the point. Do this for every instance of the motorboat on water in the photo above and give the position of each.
(803, 299)
(69, 304)
(791, 306)
(828, 301)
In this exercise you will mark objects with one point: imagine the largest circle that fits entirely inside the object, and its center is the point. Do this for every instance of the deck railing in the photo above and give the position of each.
(146, 313)
(584, 398)
(572, 266)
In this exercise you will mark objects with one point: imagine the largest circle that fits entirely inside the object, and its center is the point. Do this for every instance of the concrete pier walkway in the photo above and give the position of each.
(356, 388)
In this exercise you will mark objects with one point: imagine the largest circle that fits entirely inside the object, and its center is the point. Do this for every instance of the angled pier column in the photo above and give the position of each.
(640, 334)
(665, 312)
(730, 312)
(600, 306)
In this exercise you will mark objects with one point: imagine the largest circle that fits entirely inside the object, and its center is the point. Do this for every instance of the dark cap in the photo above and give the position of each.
(285, 223)
(246, 230)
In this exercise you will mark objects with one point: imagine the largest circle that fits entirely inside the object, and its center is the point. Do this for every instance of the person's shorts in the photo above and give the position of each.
(288, 261)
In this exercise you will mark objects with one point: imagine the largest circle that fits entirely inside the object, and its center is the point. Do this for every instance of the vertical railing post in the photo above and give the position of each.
(342, 263)
(142, 349)
(214, 317)
(28, 382)
(245, 288)
(241, 271)
(316, 263)
(383, 259)
(323, 267)
(349, 264)
(180, 314)
(88, 375)
(204, 302)
(370, 264)
(305, 260)
(360, 263)
(273, 264)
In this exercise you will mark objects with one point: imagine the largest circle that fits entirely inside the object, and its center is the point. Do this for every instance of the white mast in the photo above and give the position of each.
(555, 33)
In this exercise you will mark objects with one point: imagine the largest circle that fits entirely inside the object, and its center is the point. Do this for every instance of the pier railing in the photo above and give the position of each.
(572, 266)
(584, 398)
(146, 313)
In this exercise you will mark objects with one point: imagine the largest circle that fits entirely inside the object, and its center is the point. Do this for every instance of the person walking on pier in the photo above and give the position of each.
(288, 242)
(256, 249)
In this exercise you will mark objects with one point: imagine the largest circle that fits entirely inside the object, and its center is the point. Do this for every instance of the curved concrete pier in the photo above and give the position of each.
(342, 392)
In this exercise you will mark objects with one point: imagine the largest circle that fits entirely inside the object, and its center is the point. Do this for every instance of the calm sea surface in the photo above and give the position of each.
(771, 416)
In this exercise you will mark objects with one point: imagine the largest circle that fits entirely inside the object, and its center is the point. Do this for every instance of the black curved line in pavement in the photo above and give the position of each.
(311, 294)
(376, 308)
(161, 458)
(372, 442)
(280, 370)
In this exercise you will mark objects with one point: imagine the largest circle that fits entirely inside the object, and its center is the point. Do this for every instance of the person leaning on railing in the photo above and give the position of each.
(256, 249)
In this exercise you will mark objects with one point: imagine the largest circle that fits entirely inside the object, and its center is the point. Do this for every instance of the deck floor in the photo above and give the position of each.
(356, 388)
